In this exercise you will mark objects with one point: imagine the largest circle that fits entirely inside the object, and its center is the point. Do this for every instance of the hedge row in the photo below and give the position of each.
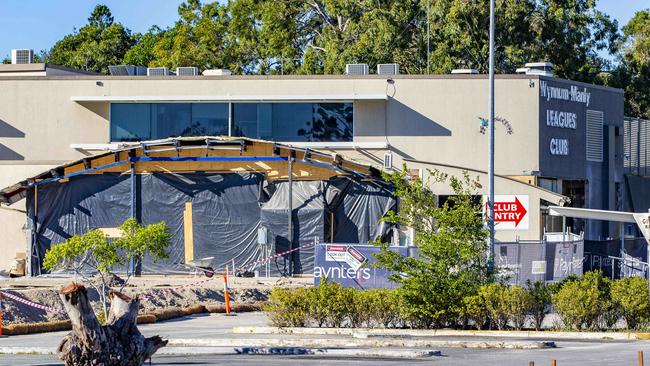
(591, 302)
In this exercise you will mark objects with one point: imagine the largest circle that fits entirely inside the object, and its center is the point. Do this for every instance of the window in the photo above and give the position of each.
(270, 121)
(146, 121)
(171, 119)
(130, 122)
(294, 121)
(209, 119)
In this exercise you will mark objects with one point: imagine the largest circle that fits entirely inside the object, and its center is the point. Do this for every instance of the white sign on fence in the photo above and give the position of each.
(539, 267)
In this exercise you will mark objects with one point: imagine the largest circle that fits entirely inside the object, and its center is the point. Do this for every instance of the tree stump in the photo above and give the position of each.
(117, 343)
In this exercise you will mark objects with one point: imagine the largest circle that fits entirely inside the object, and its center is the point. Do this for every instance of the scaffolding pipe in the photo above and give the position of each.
(290, 215)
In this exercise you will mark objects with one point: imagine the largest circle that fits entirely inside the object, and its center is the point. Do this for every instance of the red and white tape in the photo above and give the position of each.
(31, 303)
(253, 265)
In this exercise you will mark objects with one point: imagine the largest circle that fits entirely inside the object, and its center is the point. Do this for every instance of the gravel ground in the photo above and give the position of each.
(164, 290)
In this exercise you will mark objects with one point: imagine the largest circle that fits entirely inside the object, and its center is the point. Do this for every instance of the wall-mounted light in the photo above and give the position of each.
(99, 83)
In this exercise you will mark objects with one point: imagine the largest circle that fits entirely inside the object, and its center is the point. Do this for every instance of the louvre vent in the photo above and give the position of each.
(388, 161)
(356, 69)
(594, 136)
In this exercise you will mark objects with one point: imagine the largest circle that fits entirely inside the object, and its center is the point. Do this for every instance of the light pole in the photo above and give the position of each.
(490, 254)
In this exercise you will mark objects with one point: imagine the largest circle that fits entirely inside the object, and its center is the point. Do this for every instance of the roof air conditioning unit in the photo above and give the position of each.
(158, 71)
(187, 71)
(356, 69)
(388, 69)
(127, 70)
(22, 56)
(537, 68)
(464, 71)
(388, 160)
(216, 72)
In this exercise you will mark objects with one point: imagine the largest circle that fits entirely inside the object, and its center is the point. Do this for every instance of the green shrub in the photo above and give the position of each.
(580, 303)
(384, 306)
(330, 304)
(494, 297)
(476, 311)
(518, 303)
(631, 295)
(540, 301)
(360, 307)
(289, 308)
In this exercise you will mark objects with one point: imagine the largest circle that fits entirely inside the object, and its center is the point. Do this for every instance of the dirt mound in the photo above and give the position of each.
(156, 300)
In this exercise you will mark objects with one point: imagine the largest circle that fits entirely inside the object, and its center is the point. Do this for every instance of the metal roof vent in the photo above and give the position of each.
(537, 68)
(217, 72)
(158, 71)
(22, 56)
(127, 70)
(464, 71)
(388, 69)
(356, 69)
(187, 71)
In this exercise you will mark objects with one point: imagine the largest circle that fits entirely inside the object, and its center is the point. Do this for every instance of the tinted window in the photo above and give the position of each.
(171, 119)
(270, 121)
(209, 119)
(130, 122)
(144, 121)
(294, 121)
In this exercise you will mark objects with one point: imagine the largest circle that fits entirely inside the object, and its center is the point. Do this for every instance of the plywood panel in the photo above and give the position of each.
(188, 232)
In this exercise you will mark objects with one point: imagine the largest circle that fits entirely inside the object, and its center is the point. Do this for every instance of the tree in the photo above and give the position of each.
(93, 252)
(451, 240)
(95, 46)
(142, 53)
(633, 72)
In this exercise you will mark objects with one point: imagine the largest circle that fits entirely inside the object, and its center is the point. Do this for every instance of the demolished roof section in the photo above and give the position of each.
(207, 154)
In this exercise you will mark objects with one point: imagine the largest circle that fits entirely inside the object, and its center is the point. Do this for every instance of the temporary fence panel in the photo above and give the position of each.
(519, 262)
(601, 255)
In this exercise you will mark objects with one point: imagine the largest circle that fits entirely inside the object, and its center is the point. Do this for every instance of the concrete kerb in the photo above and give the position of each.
(376, 333)
(351, 343)
(270, 351)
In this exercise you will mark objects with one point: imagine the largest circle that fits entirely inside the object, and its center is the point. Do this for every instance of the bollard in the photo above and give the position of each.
(225, 291)
(640, 357)
(0, 314)
(553, 362)
(531, 363)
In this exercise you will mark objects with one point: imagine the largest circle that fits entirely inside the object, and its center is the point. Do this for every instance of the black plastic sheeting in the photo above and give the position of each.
(227, 210)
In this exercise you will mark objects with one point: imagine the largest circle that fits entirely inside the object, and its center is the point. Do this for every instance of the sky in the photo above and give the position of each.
(38, 24)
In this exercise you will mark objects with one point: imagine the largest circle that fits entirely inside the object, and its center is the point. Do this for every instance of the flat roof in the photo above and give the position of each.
(39, 66)
(84, 75)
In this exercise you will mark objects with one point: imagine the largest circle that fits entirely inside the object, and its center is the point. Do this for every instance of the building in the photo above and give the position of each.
(557, 141)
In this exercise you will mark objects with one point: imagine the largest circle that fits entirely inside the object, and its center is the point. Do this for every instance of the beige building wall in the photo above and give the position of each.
(433, 119)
